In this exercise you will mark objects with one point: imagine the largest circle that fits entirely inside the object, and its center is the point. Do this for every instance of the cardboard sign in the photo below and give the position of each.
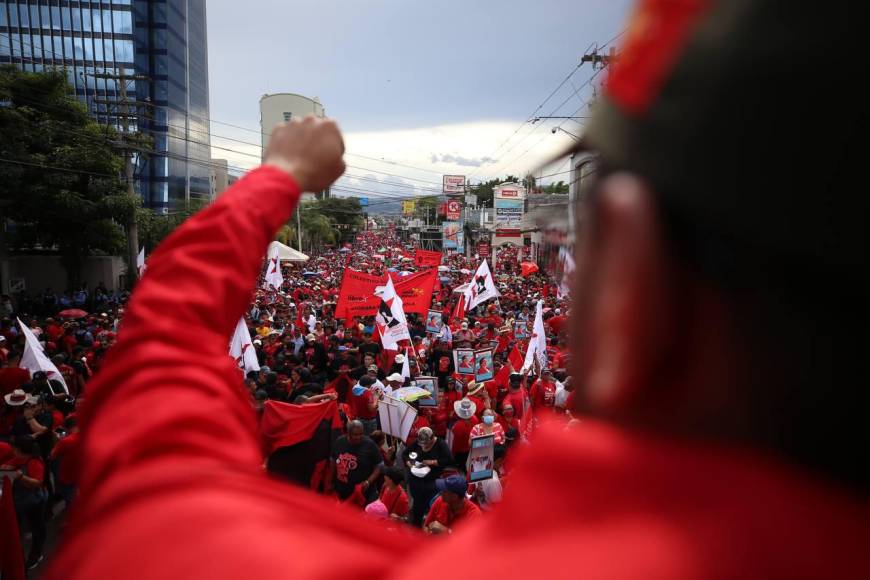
(463, 361)
(483, 365)
(431, 385)
(434, 322)
(396, 417)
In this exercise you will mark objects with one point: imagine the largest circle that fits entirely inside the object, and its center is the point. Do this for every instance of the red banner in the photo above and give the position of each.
(283, 425)
(357, 294)
(483, 250)
(424, 258)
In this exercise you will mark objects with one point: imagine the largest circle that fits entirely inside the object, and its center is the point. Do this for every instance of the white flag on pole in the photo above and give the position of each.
(482, 287)
(273, 270)
(34, 358)
(538, 343)
(406, 368)
(568, 268)
(390, 319)
(242, 349)
(140, 262)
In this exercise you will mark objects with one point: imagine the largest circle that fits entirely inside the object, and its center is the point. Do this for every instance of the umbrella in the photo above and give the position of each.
(410, 394)
(378, 256)
(309, 274)
(443, 268)
(391, 270)
(72, 313)
(465, 271)
(342, 250)
(444, 278)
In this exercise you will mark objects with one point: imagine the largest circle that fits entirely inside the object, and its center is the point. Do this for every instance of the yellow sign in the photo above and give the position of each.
(408, 207)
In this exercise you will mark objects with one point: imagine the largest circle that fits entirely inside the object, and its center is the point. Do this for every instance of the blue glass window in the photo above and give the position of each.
(13, 17)
(67, 47)
(97, 20)
(55, 18)
(86, 19)
(76, 19)
(58, 47)
(34, 16)
(64, 12)
(78, 48)
(25, 17)
(123, 22)
(45, 17)
(109, 53)
(107, 21)
(98, 49)
(88, 46)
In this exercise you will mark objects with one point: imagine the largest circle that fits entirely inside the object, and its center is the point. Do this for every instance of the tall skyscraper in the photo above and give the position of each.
(155, 51)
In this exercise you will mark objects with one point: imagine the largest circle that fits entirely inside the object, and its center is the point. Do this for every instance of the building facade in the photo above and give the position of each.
(151, 52)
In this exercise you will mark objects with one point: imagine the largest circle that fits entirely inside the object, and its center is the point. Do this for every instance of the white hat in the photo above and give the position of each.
(2, 338)
(400, 358)
(464, 326)
(395, 377)
(18, 398)
(465, 408)
(473, 387)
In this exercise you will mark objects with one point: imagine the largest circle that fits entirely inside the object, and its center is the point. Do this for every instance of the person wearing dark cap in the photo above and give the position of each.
(450, 508)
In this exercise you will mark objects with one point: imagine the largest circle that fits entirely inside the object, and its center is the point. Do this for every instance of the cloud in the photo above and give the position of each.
(402, 159)
(461, 161)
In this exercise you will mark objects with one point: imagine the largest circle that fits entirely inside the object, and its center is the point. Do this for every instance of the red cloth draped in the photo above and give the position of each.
(284, 424)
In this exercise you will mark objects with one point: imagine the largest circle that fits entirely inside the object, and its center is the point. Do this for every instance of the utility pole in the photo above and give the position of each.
(299, 226)
(131, 142)
(600, 60)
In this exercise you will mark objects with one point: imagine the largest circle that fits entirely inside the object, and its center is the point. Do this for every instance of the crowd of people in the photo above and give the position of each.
(307, 356)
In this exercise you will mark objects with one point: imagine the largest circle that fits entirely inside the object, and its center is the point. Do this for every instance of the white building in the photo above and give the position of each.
(280, 108)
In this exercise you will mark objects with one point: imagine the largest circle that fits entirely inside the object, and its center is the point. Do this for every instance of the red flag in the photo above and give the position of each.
(424, 258)
(284, 424)
(529, 268)
(357, 294)
(11, 553)
(459, 311)
(516, 359)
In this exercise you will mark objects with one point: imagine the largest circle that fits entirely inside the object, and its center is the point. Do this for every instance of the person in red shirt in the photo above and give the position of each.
(29, 493)
(557, 322)
(517, 396)
(543, 392)
(393, 496)
(451, 507)
(508, 419)
(466, 419)
(11, 375)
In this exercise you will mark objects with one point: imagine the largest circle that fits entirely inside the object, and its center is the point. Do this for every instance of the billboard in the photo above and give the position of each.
(454, 237)
(408, 207)
(453, 184)
(454, 209)
(363, 201)
(471, 200)
(508, 210)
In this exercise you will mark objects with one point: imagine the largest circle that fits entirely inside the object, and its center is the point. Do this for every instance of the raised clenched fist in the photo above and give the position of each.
(310, 150)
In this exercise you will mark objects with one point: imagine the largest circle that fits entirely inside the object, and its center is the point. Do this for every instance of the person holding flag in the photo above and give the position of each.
(242, 349)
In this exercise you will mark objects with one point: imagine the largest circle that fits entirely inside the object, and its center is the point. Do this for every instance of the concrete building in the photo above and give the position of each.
(280, 108)
(157, 51)
(220, 177)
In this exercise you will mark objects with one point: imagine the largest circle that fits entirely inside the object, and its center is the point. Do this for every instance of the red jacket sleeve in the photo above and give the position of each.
(168, 387)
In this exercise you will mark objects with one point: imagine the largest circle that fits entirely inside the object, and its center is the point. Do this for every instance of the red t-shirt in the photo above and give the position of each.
(418, 424)
(359, 405)
(66, 452)
(396, 500)
(543, 395)
(12, 378)
(462, 434)
(516, 399)
(557, 323)
(440, 512)
(32, 467)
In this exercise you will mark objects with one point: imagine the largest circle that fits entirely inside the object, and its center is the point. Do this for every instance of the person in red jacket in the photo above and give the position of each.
(717, 288)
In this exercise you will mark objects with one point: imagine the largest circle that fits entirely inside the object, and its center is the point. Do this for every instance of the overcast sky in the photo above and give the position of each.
(440, 85)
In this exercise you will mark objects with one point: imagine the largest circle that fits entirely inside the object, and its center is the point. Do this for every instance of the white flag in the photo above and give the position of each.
(242, 350)
(568, 268)
(482, 287)
(140, 262)
(390, 319)
(538, 343)
(273, 270)
(34, 358)
(406, 369)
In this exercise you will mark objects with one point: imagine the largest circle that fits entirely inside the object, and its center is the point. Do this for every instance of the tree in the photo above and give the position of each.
(154, 227)
(59, 171)
(558, 187)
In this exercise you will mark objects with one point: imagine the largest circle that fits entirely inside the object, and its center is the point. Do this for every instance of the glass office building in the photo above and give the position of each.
(154, 50)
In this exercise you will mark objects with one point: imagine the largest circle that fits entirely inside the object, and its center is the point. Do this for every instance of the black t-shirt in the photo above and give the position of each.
(353, 463)
(439, 451)
(371, 348)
